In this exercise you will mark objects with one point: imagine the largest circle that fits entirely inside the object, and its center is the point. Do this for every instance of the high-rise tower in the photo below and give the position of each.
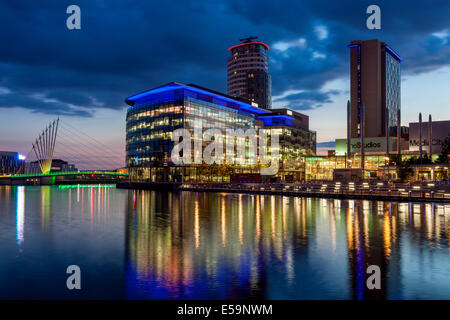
(248, 72)
(374, 81)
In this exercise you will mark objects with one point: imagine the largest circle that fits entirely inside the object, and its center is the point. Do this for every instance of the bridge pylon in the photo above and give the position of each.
(44, 146)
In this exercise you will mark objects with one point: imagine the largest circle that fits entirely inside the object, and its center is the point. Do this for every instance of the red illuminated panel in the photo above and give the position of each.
(247, 43)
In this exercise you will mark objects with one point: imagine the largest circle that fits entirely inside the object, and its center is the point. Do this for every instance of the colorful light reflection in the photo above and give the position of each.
(20, 214)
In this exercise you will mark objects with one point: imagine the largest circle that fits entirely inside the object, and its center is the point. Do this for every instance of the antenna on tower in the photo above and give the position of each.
(249, 39)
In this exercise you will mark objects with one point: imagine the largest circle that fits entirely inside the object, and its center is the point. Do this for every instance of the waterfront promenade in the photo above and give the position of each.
(373, 190)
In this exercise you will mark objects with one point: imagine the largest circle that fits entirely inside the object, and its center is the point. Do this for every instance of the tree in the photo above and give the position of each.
(404, 170)
(226, 170)
(214, 170)
(445, 151)
(203, 170)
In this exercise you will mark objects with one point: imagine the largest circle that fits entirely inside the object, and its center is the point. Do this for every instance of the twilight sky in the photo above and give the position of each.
(127, 46)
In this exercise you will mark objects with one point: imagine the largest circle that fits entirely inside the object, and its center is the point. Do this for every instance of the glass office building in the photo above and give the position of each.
(153, 116)
(392, 89)
(375, 81)
(295, 138)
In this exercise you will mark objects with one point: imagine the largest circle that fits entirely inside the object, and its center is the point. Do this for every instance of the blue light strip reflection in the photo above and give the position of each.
(20, 214)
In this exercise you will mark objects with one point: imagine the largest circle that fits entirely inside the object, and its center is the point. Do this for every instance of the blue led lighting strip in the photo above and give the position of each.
(172, 86)
(392, 52)
(359, 87)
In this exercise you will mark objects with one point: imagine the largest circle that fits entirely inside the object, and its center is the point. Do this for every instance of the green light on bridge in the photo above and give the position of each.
(75, 186)
(75, 173)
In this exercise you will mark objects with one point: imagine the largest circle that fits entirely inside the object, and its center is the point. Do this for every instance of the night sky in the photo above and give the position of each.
(125, 47)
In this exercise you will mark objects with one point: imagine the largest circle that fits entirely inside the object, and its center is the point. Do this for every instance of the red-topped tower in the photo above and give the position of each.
(248, 72)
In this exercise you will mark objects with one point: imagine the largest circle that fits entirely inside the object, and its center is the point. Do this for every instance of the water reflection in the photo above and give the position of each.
(205, 245)
(43, 230)
(148, 244)
(20, 215)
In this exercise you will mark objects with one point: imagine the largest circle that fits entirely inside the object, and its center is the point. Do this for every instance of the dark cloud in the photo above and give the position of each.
(42, 104)
(307, 100)
(127, 46)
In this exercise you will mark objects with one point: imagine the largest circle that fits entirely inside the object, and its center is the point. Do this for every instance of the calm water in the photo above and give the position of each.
(153, 245)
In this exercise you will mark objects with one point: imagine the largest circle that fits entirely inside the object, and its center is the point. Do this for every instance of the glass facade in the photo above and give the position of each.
(322, 167)
(376, 166)
(295, 139)
(150, 123)
(392, 92)
(154, 115)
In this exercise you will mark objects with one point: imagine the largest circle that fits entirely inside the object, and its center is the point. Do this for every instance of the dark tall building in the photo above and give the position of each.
(248, 73)
(374, 81)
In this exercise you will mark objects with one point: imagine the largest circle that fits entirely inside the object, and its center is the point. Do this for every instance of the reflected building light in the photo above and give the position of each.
(416, 208)
(45, 207)
(69, 206)
(78, 193)
(337, 203)
(223, 226)
(240, 221)
(272, 216)
(387, 235)
(82, 202)
(196, 225)
(104, 201)
(254, 275)
(366, 205)
(92, 205)
(290, 272)
(304, 226)
(297, 214)
(429, 221)
(20, 214)
(403, 212)
(366, 229)
(428, 208)
(143, 205)
(394, 229)
(98, 194)
(350, 229)
(411, 216)
(258, 220)
(333, 230)
(357, 231)
(437, 226)
(416, 218)
(447, 210)
(283, 213)
(380, 208)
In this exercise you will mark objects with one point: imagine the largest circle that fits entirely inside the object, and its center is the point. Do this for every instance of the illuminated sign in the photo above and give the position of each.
(376, 145)
(440, 131)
